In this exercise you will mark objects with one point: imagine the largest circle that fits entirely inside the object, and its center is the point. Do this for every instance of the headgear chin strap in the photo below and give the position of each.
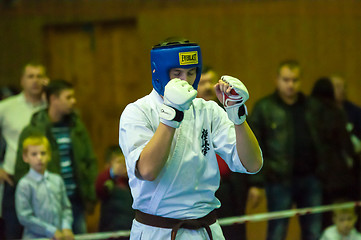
(168, 55)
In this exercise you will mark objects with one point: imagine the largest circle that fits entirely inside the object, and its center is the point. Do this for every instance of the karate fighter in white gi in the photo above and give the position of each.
(170, 139)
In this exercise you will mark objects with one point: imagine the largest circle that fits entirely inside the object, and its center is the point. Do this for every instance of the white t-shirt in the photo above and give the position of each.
(15, 114)
(331, 233)
(186, 185)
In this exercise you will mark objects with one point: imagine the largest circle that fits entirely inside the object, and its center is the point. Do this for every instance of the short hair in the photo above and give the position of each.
(32, 64)
(56, 86)
(111, 151)
(36, 140)
(290, 63)
(175, 40)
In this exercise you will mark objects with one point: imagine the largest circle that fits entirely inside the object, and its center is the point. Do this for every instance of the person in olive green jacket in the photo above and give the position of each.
(72, 153)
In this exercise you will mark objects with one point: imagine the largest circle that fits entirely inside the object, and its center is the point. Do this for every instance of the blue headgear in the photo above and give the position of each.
(168, 55)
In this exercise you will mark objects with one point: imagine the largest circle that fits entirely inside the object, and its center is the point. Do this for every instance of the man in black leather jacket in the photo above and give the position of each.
(281, 123)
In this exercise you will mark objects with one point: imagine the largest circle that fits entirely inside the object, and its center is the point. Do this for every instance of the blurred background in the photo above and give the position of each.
(103, 46)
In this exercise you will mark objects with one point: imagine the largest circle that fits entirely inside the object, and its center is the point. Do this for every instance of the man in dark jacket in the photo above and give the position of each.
(281, 123)
(72, 155)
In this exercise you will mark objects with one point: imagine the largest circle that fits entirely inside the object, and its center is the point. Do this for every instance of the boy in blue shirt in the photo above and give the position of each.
(42, 205)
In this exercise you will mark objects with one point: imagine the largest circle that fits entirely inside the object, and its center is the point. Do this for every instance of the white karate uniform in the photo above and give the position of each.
(186, 186)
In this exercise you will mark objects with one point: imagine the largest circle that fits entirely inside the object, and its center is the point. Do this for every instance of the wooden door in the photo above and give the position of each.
(106, 63)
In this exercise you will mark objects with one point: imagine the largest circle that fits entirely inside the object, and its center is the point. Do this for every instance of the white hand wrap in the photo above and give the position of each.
(237, 112)
(178, 97)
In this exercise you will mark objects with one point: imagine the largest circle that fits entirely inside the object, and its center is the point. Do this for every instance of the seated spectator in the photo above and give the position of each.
(344, 226)
(42, 205)
(113, 191)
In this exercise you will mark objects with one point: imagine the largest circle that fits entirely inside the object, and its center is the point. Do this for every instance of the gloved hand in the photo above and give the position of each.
(178, 97)
(234, 103)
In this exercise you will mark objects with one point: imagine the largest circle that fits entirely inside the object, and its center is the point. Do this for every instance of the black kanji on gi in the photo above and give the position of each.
(205, 143)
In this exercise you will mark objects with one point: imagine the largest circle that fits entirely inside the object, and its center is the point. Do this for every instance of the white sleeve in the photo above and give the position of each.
(224, 140)
(135, 131)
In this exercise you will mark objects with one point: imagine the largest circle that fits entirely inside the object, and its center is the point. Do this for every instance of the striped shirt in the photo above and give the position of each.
(62, 136)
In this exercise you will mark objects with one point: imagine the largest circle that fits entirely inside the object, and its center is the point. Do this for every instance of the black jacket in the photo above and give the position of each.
(284, 154)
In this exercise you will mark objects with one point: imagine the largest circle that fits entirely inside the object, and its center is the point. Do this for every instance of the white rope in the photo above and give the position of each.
(235, 220)
(284, 214)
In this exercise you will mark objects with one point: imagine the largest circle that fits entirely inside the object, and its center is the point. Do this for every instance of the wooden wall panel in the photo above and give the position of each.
(101, 61)
(250, 40)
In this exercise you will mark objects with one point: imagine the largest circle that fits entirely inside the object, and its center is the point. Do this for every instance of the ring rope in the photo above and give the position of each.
(235, 220)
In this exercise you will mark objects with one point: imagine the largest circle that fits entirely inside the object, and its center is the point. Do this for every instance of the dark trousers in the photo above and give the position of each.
(79, 219)
(232, 193)
(2, 229)
(13, 229)
(305, 191)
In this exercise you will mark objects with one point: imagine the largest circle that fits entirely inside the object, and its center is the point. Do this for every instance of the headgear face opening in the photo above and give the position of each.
(176, 54)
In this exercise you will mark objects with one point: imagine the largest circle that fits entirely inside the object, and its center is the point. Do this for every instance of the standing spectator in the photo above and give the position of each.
(232, 191)
(352, 110)
(353, 113)
(15, 114)
(336, 154)
(72, 153)
(208, 79)
(281, 123)
(5, 92)
(42, 205)
(113, 191)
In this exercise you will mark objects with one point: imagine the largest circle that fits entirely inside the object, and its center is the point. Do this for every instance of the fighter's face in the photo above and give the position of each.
(288, 81)
(185, 74)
